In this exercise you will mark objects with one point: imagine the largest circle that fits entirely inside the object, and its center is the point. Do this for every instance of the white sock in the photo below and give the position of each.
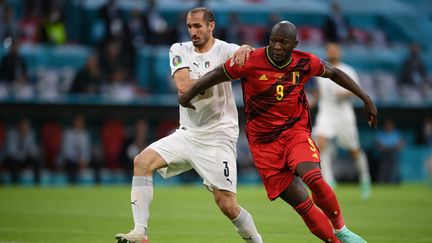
(141, 197)
(326, 165)
(363, 168)
(246, 228)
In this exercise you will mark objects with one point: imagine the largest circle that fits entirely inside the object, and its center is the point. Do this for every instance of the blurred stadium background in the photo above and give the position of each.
(106, 63)
(101, 67)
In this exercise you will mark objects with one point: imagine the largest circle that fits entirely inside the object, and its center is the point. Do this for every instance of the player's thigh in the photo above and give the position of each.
(174, 150)
(149, 160)
(216, 164)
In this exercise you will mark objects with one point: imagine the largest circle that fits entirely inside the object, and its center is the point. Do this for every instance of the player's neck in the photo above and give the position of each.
(207, 46)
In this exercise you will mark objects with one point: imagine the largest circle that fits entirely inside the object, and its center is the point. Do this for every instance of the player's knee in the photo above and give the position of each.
(141, 163)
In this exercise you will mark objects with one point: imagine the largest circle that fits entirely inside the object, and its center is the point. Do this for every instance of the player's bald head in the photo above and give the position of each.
(285, 29)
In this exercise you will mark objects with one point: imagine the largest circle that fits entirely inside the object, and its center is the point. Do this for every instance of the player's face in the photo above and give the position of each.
(199, 29)
(280, 47)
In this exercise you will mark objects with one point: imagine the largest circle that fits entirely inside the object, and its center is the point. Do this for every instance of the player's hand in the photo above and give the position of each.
(182, 100)
(242, 55)
(188, 105)
(371, 113)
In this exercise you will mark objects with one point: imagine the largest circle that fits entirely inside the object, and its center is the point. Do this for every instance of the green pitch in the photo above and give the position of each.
(189, 215)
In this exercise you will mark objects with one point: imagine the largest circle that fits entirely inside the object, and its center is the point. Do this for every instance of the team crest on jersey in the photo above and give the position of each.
(207, 64)
(279, 77)
(176, 60)
(295, 78)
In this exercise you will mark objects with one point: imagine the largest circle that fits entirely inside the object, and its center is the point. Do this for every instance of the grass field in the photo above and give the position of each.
(188, 214)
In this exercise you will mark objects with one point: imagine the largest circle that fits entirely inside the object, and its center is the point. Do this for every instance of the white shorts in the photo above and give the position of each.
(214, 161)
(344, 130)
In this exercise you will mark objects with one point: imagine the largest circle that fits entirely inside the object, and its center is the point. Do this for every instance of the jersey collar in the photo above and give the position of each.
(273, 63)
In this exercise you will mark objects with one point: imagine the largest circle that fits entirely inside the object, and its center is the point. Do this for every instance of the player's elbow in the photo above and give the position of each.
(180, 97)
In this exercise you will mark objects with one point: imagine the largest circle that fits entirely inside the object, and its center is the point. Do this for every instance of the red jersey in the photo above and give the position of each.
(273, 95)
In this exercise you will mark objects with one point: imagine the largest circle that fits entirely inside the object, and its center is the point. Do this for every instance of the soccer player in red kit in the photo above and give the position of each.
(278, 126)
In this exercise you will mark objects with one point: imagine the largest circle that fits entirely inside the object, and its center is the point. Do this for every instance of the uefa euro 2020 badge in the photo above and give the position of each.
(176, 61)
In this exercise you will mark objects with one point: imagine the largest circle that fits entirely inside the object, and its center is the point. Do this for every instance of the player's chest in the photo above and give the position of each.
(267, 79)
(201, 65)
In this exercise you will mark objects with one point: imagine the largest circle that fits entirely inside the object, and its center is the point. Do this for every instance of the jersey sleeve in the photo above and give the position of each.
(317, 65)
(232, 70)
(229, 49)
(177, 58)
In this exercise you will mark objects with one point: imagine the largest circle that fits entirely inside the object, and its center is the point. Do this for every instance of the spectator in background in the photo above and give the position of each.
(22, 150)
(29, 26)
(8, 25)
(76, 149)
(137, 29)
(424, 132)
(137, 141)
(156, 26)
(336, 26)
(53, 29)
(233, 32)
(13, 72)
(12, 65)
(113, 20)
(414, 72)
(120, 88)
(111, 58)
(117, 46)
(180, 30)
(87, 80)
(273, 19)
(388, 144)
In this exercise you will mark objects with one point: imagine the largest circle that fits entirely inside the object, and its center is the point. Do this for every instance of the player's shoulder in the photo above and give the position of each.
(187, 46)
(258, 53)
(303, 54)
(223, 45)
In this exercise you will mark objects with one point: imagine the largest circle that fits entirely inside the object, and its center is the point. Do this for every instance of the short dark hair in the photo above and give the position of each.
(209, 15)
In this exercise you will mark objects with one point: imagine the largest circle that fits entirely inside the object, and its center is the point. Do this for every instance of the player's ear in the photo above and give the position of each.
(212, 25)
(296, 43)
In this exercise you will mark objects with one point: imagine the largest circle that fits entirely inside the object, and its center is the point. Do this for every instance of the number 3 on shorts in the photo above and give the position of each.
(226, 169)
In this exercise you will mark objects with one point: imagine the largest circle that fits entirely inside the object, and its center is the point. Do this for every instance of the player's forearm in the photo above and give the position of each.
(210, 79)
(184, 86)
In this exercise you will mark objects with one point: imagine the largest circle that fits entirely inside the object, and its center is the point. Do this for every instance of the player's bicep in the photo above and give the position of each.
(328, 71)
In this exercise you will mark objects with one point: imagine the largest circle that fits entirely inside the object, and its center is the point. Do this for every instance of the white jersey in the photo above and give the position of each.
(215, 115)
(336, 117)
(330, 105)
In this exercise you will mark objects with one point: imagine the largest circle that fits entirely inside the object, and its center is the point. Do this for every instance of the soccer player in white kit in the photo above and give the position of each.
(206, 138)
(336, 119)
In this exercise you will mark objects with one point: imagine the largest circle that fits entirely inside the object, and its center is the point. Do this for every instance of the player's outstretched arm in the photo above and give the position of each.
(214, 77)
(346, 82)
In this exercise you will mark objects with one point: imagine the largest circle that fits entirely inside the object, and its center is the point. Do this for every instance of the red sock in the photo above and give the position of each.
(324, 197)
(316, 221)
